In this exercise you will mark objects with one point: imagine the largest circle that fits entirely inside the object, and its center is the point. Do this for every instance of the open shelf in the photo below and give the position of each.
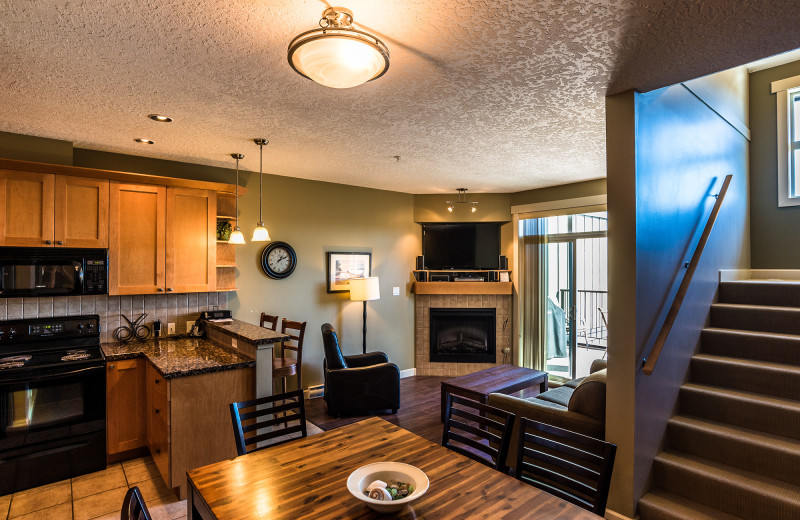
(226, 265)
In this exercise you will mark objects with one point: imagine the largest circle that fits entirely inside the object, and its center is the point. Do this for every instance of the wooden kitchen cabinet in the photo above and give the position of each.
(41, 210)
(125, 405)
(161, 239)
(158, 420)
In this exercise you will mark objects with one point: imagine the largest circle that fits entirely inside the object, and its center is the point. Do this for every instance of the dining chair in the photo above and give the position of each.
(268, 321)
(133, 506)
(253, 429)
(571, 466)
(284, 367)
(479, 431)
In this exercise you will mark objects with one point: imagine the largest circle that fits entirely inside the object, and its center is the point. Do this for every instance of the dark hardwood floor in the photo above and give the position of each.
(420, 401)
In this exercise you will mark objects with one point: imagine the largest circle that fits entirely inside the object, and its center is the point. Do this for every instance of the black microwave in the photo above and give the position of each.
(63, 271)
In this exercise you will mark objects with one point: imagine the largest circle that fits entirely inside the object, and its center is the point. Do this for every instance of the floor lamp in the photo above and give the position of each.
(363, 290)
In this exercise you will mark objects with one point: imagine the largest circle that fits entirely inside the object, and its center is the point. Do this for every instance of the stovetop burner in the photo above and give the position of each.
(76, 355)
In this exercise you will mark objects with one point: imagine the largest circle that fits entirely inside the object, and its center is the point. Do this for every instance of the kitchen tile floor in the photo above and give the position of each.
(95, 496)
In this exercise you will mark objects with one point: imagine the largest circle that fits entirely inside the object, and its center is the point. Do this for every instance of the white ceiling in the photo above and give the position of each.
(493, 95)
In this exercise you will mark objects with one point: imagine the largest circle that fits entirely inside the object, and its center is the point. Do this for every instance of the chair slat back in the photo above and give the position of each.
(268, 321)
(571, 466)
(296, 331)
(133, 506)
(479, 431)
(259, 421)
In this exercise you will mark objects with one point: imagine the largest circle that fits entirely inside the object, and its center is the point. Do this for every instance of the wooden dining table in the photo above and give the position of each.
(307, 478)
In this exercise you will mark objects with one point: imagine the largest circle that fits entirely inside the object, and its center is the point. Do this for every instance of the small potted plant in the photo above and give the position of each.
(224, 230)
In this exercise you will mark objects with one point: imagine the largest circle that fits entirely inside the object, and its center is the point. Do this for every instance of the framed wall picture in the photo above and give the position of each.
(344, 266)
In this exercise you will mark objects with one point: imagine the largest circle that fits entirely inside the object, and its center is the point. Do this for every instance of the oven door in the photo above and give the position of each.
(38, 276)
(52, 425)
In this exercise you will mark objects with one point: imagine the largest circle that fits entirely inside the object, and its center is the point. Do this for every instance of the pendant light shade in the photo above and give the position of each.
(237, 237)
(260, 233)
(336, 55)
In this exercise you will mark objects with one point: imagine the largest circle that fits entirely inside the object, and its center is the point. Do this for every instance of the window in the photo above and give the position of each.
(788, 149)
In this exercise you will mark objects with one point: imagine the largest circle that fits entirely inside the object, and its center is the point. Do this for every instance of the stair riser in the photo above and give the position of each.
(758, 416)
(726, 496)
(760, 348)
(784, 321)
(748, 378)
(785, 295)
(764, 459)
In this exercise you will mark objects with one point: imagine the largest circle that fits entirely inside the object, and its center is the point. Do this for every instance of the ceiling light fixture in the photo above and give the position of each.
(160, 118)
(462, 199)
(260, 233)
(144, 140)
(336, 55)
(237, 237)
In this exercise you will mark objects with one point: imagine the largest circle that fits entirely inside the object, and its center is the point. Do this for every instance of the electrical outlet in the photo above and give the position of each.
(395, 291)
(189, 325)
(170, 329)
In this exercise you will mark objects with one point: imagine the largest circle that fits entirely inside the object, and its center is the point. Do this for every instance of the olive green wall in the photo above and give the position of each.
(37, 149)
(565, 191)
(774, 229)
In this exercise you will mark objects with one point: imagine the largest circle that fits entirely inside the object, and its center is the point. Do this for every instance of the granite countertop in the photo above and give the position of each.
(247, 332)
(180, 357)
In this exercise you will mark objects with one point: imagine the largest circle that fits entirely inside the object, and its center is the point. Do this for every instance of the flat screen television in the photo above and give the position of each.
(468, 245)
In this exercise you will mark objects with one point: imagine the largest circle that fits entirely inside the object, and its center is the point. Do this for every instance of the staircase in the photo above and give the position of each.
(733, 450)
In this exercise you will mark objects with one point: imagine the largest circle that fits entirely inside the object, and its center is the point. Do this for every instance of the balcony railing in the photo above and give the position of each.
(590, 329)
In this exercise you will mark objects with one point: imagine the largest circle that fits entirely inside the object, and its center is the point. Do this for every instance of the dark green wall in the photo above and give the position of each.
(774, 230)
(36, 149)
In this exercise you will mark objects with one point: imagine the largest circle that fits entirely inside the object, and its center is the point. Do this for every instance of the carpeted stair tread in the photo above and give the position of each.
(762, 292)
(732, 490)
(756, 317)
(763, 346)
(658, 504)
(775, 415)
(751, 450)
(763, 377)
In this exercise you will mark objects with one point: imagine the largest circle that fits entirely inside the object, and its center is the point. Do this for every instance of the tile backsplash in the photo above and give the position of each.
(168, 308)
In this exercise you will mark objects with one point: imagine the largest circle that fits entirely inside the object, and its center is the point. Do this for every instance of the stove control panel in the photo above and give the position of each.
(40, 329)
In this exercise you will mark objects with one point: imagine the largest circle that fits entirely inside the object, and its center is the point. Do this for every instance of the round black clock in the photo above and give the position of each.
(278, 260)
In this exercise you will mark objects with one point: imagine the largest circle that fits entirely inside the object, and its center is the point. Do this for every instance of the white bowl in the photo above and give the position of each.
(358, 481)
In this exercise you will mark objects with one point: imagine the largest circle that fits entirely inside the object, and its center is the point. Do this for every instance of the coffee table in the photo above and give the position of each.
(503, 379)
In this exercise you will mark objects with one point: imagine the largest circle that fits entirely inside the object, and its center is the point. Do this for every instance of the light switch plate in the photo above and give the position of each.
(170, 329)
(395, 291)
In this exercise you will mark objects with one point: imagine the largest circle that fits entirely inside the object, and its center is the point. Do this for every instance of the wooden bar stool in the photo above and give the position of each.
(269, 321)
(283, 367)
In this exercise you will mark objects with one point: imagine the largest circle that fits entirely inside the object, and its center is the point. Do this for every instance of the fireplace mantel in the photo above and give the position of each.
(462, 287)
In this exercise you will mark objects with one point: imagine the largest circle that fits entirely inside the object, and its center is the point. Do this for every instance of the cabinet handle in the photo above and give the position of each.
(112, 366)
(169, 289)
(157, 381)
(60, 243)
(48, 242)
(158, 450)
(157, 410)
(160, 289)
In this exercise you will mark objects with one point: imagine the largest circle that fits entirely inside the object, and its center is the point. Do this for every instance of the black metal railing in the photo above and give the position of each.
(590, 329)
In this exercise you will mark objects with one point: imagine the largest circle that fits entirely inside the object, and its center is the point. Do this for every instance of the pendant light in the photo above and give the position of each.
(336, 55)
(237, 237)
(260, 233)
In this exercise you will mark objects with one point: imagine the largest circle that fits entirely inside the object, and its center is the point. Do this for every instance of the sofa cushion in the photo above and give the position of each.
(573, 383)
(560, 396)
(589, 397)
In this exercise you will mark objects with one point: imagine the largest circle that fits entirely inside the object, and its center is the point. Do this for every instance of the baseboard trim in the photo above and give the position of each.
(733, 275)
(410, 372)
(613, 515)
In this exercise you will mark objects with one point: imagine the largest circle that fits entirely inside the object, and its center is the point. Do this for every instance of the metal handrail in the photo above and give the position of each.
(649, 363)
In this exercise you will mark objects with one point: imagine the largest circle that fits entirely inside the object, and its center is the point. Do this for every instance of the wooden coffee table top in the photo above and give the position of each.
(503, 378)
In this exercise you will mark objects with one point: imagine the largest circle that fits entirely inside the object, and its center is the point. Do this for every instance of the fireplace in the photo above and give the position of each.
(462, 335)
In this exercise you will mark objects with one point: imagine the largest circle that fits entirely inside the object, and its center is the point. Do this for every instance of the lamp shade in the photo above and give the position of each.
(363, 289)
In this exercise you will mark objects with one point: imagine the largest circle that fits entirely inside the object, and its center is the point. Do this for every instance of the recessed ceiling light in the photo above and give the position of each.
(161, 118)
(143, 140)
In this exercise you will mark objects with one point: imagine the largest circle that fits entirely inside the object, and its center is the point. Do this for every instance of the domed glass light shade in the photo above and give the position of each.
(237, 237)
(336, 55)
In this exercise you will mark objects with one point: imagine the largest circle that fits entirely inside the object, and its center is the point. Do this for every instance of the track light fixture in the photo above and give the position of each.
(462, 196)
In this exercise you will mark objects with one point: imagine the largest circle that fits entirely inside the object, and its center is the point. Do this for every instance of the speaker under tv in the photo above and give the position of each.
(420, 263)
(461, 246)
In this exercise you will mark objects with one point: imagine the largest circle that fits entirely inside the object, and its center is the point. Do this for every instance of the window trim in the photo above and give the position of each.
(784, 89)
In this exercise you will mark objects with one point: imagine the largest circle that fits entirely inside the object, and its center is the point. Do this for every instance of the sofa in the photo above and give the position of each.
(578, 405)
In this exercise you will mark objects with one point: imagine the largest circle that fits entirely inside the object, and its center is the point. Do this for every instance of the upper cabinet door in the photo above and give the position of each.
(137, 217)
(26, 208)
(81, 212)
(191, 240)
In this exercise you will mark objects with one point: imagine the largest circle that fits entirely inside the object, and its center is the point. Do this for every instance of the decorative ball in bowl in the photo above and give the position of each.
(405, 482)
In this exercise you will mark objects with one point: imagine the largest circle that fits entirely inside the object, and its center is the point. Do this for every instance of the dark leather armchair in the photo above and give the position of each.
(358, 384)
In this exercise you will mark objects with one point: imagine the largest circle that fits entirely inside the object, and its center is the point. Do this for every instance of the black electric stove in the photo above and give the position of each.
(52, 400)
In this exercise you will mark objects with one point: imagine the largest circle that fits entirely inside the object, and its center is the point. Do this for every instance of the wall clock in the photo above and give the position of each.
(278, 260)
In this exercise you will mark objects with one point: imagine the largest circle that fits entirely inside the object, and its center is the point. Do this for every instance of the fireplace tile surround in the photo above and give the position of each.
(424, 302)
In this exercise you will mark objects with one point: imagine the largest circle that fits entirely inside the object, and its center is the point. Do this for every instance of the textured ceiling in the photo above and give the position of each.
(493, 95)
